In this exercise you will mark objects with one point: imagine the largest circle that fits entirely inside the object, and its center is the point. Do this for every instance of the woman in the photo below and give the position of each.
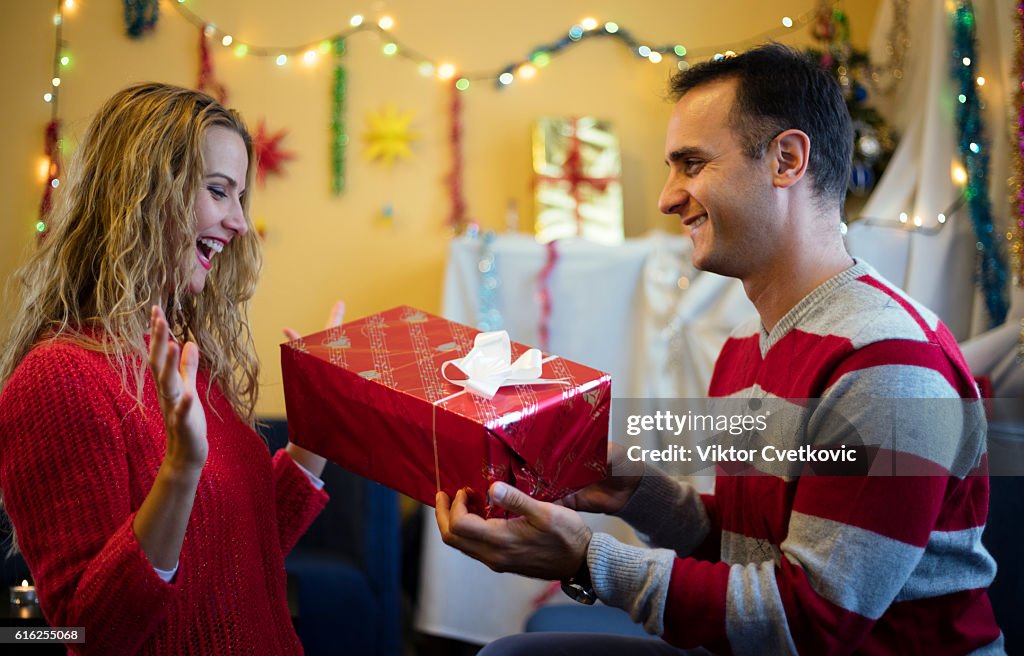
(148, 510)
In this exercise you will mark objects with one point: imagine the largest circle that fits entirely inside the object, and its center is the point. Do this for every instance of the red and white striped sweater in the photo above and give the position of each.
(877, 564)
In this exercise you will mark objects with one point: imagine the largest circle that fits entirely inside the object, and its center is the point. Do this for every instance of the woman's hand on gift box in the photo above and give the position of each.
(546, 540)
(335, 318)
(610, 495)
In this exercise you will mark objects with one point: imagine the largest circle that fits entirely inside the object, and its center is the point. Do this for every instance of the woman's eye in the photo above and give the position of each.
(217, 193)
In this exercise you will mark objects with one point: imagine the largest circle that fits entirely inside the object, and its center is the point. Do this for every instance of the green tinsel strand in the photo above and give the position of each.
(339, 138)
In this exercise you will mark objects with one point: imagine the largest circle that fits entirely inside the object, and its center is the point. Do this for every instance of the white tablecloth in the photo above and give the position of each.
(621, 309)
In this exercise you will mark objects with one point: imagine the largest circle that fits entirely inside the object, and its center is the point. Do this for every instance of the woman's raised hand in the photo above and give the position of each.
(174, 370)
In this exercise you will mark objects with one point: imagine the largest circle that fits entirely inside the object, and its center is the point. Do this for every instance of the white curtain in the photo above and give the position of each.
(937, 265)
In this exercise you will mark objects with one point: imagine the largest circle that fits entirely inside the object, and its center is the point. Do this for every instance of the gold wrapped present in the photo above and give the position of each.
(578, 190)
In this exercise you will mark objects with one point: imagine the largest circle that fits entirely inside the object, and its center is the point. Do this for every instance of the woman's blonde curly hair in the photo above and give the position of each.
(122, 238)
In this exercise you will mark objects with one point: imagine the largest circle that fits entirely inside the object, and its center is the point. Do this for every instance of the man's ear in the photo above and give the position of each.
(789, 152)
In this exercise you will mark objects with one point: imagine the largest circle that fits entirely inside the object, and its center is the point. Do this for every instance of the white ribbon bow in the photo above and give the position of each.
(488, 366)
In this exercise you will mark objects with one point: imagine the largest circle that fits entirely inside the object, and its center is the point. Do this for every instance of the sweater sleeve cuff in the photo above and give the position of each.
(666, 512)
(315, 480)
(298, 500)
(631, 578)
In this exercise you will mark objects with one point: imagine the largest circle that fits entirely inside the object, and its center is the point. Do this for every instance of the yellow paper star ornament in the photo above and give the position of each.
(388, 135)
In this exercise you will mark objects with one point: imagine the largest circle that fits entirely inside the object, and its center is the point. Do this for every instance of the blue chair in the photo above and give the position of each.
(346, 567)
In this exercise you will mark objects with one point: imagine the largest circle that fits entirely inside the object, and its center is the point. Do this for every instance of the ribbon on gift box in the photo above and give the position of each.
(485, 369)
(488, 366)
(574, 172)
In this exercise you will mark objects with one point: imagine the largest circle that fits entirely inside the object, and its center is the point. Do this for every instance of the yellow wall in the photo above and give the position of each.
(319, 247)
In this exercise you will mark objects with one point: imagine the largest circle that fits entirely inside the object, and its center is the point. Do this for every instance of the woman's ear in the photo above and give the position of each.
(789, 152)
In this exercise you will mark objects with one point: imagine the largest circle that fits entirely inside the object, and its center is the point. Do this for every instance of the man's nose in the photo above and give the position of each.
(673, 196)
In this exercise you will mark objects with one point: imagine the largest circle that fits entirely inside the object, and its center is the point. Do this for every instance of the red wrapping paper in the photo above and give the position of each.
(366, 396)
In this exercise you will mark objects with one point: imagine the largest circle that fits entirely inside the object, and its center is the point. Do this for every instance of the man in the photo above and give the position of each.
(758, 148)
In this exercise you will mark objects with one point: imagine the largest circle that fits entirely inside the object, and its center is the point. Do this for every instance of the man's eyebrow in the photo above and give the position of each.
(231, 181)
(684, 152)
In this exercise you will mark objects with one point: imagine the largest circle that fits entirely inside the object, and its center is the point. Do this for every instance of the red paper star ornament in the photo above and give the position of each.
(269, 155)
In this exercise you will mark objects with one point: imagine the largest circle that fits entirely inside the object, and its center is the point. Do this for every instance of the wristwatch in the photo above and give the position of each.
(579, 587)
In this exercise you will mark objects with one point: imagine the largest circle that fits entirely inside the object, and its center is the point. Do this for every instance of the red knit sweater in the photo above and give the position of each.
(77, 458)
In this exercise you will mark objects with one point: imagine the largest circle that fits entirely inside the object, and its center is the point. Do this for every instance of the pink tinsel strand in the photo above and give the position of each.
(207, 78)
(544, 296)
(458, 202)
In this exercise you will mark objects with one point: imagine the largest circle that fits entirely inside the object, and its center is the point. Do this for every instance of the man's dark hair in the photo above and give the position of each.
(780, 89)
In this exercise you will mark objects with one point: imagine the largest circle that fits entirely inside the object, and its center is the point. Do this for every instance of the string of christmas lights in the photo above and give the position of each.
(51, 166)
(974, 152)
(525, 68)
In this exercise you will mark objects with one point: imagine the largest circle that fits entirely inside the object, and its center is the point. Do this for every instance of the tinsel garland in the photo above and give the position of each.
(339, 138)
(1018, 183)
(544, 295)
(207, 78)
(140, 16)
(457, 220)
(974, 151)
(488, 315)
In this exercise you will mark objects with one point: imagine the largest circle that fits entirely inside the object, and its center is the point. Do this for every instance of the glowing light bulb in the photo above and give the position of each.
(426, 69)
(69, 4)
(241, 50)
(975, 148)
(680, 50)
(506, 78)
(787, 21)
(967, 61)
(958, 173)
(309, 56)
(655, 57)
(40, 226)
(55, 183)
(941, 218)
(390, 48)
(903, 217)
(575, 32)
(683, 65)
(730, 53)
(209, 29)
(226, 41)
(611, 28)
(644, 51)
(588, 23)
(462, 84)
(281, 60)
(527, 71)
(48, 97)
(324, 47)
(58, 19)
(962, 98)
(356, 20)
(446, 71)
(386, 22)
(55, 81)
(44, 168)
(917, 222)
(981, 81)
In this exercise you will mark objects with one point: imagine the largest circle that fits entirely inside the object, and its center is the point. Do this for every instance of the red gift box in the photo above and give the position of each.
(370, 396)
